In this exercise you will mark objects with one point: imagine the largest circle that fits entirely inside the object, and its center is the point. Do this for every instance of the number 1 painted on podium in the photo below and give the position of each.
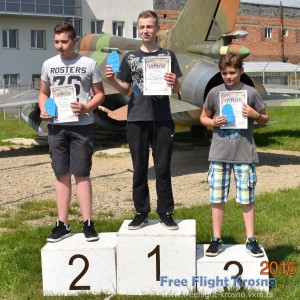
(156, 251)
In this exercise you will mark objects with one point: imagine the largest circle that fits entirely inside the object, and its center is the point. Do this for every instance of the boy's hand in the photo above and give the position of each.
(45, 117)
(109, 73)
(248, 111)
(219, 121)
(170, 78)
(78, 108)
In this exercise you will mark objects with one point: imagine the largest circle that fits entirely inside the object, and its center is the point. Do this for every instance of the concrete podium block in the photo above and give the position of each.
(216, 274)
(74, 266)
(155, 260)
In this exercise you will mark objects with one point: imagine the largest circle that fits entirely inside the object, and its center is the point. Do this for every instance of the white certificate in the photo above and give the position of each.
(231, 104)
(63, 96)
(154, 69)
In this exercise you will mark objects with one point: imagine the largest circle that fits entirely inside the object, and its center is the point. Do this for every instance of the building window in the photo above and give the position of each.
(268, 33)
(38, 39)
(285, 32)
(10, 38)
(11, 79)
(44, 7)
(77, 25)
(118, 28)
(97, 26)
(135, 31)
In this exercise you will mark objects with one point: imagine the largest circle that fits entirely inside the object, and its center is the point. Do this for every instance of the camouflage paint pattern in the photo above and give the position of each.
(202, 33)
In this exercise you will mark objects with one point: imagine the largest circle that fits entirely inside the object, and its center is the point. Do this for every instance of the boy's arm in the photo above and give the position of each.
(207, 120)
(98, 92)
(172, 80)
(44, 94)
(261, 116)
(122, 86)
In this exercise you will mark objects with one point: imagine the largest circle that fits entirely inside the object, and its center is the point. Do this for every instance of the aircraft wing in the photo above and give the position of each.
(19, 99)
(31, 96)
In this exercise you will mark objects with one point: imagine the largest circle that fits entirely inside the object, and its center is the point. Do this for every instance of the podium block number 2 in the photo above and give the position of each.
(156, 251)
(73, 285)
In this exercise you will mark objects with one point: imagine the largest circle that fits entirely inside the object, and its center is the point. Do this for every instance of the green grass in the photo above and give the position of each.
(23, 230)
(283, 133)
(14, 129)
(277, 220)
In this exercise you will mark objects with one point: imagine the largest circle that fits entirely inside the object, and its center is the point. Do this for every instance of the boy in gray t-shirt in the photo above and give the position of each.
(232, 149)
(71, 143)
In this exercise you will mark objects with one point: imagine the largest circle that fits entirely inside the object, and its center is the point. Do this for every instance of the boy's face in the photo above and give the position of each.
(148, 29)
(64, 45)
(231, 76)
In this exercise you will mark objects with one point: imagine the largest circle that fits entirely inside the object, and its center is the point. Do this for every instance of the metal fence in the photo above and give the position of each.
(287, 79)
(9, 89)
(272, 72)
(10, 113)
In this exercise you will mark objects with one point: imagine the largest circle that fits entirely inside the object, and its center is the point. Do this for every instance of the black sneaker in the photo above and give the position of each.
(215, 247)
(167, 221)
(89, 231)
(140, 220)
(59, 232)
(253, 248)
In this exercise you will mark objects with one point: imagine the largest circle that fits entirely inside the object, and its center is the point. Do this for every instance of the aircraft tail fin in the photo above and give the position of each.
(200, 21)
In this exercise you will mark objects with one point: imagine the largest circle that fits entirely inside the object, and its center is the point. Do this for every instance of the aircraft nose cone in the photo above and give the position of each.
(244, 52)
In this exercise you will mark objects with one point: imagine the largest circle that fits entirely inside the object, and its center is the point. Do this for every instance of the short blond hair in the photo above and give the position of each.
(148, 14)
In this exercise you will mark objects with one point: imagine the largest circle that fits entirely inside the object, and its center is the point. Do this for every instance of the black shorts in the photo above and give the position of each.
(71, 149)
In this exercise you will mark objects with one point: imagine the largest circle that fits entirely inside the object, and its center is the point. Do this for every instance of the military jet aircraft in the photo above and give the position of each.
(202, 33)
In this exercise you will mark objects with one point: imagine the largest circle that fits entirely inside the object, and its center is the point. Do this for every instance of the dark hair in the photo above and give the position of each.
(148, 14)
(65, 27)
(232, 59)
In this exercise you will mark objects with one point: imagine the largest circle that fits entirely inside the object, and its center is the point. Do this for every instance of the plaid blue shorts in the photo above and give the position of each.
(219, 180)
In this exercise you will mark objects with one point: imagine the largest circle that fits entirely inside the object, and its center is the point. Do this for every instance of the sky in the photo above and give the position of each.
(290, 3)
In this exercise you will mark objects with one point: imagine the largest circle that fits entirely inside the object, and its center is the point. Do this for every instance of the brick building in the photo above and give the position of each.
(264, 24)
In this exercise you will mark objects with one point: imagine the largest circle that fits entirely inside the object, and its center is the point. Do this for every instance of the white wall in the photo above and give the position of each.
(113, 10)
(26, 61)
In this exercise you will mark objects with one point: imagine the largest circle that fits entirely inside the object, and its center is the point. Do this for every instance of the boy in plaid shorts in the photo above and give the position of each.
(232, 149)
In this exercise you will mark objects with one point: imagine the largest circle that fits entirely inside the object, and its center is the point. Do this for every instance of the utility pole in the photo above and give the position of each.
(281, 32)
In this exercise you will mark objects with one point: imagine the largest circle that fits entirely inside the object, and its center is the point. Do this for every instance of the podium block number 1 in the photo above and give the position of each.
(156, 251)
(73, 285)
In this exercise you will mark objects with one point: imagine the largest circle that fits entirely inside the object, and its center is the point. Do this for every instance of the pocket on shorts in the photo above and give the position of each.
(252, 179)
(210, 175)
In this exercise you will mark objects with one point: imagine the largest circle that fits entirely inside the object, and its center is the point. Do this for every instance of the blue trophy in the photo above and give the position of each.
(50, 107)
(113, 60)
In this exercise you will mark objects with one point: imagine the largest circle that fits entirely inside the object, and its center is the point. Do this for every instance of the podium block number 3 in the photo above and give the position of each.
(238, 275)
(73, 285)
(156, 251)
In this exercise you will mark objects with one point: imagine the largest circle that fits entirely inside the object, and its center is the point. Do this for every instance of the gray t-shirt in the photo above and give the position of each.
(81, 72)
(140, 107)
(233, 145)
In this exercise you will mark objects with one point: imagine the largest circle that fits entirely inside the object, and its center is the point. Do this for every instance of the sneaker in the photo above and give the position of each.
(59, 232)
(215, 247)
(140, 220)
(89, 231)
(253, 248)
(167, 221)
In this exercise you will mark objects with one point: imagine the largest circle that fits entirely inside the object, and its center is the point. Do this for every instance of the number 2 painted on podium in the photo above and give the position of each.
(73, 285)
